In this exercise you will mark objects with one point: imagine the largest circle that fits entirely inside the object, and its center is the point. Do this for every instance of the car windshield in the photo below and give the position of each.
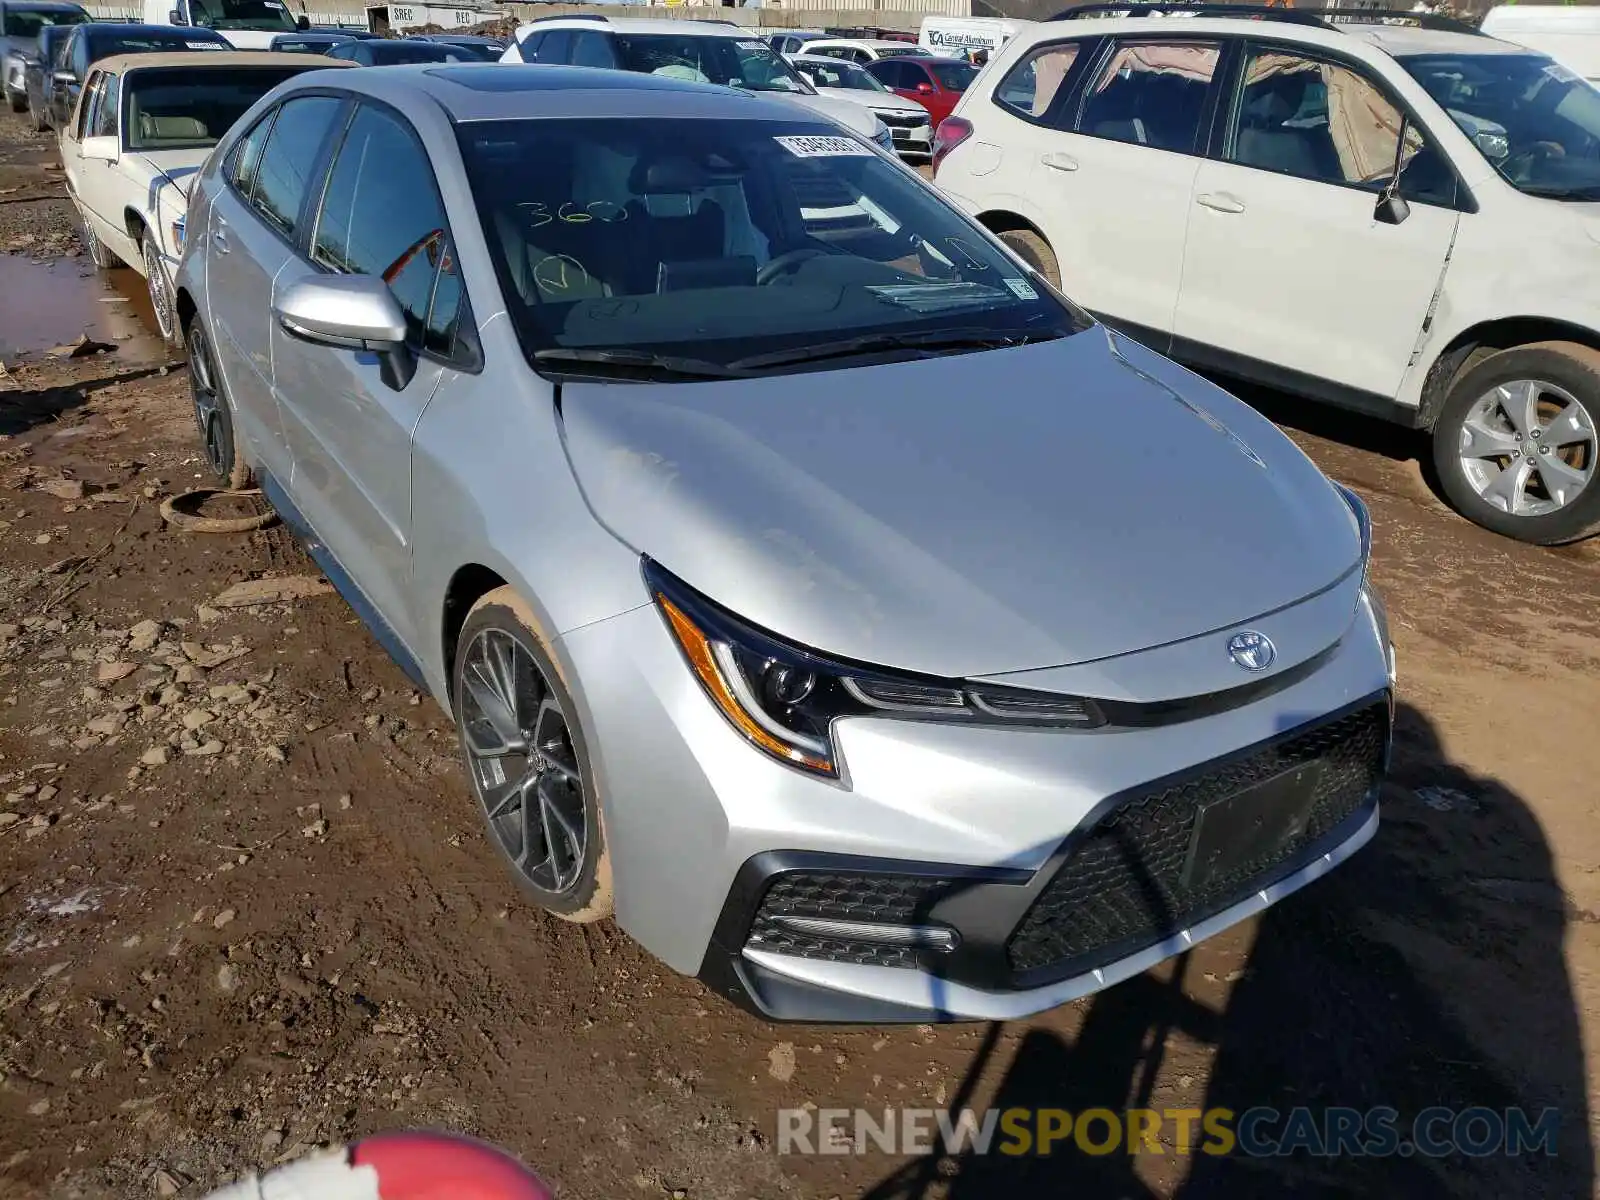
(475, 51)
(835, 73)
(954, 76)
(738, 62)
(721, 241)
(243, 14)
(1535, 121)
(173, 108)
(150, 43)
(394, 53)
(906, 51)
(27, 22)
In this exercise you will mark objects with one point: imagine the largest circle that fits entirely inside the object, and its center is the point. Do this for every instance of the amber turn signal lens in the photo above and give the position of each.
(697, 649)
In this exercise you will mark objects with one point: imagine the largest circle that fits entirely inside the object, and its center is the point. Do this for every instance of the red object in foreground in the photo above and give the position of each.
(440, 1166)
(397, 1166)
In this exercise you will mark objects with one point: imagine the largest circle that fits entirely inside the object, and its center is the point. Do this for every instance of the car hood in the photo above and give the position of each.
(851, 116)
(177, 167)
(970, 514)
(876, 101)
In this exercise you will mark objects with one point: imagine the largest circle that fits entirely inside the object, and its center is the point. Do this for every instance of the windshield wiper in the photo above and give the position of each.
(644, 360)
(1555, 192)
(932, 342)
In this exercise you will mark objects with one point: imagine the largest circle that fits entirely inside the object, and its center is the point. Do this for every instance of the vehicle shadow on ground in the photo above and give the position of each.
(1428, 971)
(21, 409)
(1371, 434)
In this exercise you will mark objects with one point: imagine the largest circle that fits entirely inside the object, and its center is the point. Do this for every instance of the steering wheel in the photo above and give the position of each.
(786, 262)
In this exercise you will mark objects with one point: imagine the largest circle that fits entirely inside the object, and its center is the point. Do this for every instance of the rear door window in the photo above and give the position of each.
(290, 152)
(556, 46)
(1151, 93)
(591, 50)
(1034, 85)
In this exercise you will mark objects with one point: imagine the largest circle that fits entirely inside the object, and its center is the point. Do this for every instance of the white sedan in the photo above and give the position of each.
(144, 125)
(908, 122)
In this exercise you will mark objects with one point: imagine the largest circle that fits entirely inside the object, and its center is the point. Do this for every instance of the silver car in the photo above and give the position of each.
(812, 585)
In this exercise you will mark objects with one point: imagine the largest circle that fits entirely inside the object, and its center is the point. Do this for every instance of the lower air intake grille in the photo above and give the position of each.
(1122, 885)
(843, 896)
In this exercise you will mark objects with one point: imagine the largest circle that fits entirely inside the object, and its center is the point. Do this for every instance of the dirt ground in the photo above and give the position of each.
(247, 909)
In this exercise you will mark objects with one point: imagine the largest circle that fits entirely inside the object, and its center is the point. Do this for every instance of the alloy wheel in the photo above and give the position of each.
(1528, 447)
(160, 290)
(207, 408)
(524, 769)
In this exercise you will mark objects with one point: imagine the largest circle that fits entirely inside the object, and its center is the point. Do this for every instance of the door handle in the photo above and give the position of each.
(1221, 202)
(1057, 161)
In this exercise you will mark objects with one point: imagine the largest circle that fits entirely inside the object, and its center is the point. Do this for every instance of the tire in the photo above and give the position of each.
(1552, 390)
(99, 253)
(163, 303)
(498, 643)
(1035, 252)
(213, 413)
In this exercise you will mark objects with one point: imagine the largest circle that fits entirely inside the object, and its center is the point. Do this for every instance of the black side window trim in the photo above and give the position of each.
(1208, 106)
(1066, 97)
(1233, 89)
(319, 164)
(466, 355)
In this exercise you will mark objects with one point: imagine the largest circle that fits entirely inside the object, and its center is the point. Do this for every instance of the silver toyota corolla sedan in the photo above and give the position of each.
(811, 584)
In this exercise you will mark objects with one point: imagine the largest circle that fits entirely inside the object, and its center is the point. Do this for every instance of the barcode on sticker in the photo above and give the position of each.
(752, 45)
(821, 146)
(202, 46)
(1022, 289)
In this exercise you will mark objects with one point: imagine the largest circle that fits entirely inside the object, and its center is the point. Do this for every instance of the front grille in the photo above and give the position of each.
(843, 896)
(903, 120)
(1121, 886)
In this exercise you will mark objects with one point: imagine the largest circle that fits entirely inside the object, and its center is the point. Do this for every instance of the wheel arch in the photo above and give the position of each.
(134, 222)
(186, 308)
(470, 583)
(1475, 342)
(1002, 220)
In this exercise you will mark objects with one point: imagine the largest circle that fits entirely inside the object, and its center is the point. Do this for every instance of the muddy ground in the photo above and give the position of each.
(246, 907)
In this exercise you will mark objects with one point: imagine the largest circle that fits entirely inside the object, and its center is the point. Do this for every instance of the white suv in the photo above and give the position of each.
(1402, 219)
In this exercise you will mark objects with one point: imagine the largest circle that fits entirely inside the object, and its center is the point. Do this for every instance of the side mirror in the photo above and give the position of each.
(350, 312)
(924, 88)
(99, 149)
(175, 16)
(1391, 210)
(303, 23)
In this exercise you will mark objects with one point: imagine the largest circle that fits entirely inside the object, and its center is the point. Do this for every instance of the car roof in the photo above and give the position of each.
(217, 59)
(1395, 40)
(690, 27)
(824, 60)
(1391, 39)
(870, 43)
(42, 6)
(115, 29)
(496, 91)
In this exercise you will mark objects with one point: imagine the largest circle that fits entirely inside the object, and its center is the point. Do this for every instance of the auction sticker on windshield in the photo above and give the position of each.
(204, 46)
(822, 146)
(1021, 289)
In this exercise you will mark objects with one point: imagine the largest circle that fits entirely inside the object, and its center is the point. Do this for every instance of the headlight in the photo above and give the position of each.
(883, 138)
(1358, 507)
(783, 699)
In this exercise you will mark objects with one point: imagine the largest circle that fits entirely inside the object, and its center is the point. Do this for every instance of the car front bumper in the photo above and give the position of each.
(954, 872)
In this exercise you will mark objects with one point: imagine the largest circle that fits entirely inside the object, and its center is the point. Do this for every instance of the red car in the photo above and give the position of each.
(935, 83)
